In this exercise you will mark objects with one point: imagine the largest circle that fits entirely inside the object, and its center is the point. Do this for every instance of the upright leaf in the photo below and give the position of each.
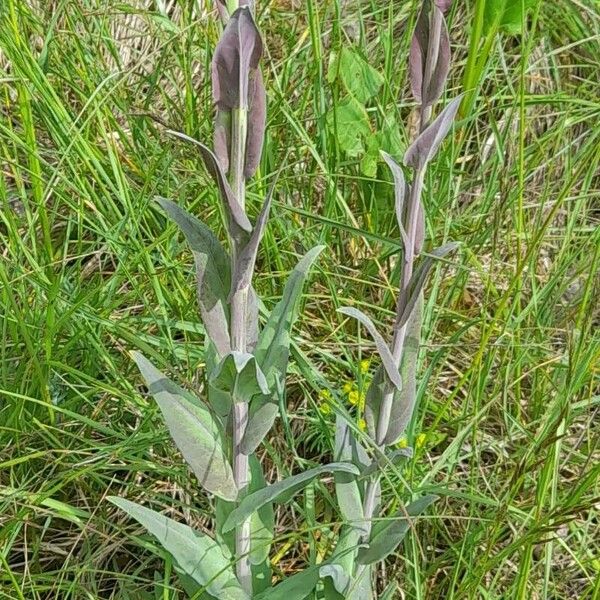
(272, 350)
(212, 271)
(196, 554)
(387, 534)
(360, 79)
(193, 429)
(421, 63)
(257, 117)
(403, 403)
(384, 352)
(399, 193)
(238, 52)
(423, 149)
(281, 492)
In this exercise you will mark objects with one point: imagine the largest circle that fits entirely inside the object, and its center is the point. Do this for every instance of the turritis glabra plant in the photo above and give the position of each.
(219, 431)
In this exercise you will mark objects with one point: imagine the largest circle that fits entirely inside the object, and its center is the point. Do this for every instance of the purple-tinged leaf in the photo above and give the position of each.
(420, 230)
(238, 51)
(194, 430)
(251, 320)
(422, 150)
(237, 217)
(399, 193)
(417, 281)
(403, 402)
(443, 5)
(382, 348)
(244, 263)
(212, 274)
(222, 137)
(427, 92)
(387, 534)
(257, 118)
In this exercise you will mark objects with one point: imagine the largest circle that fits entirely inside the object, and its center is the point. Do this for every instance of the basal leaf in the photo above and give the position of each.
(387, 534)
(423, 149)
(272, 350)
(298, 586)
(281, 492)
(239, 375)
(193, 429)
(384, 352)
(213, 273)
(196, 554)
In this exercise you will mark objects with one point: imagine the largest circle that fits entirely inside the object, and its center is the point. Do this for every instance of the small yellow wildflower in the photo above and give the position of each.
(362, 424)
(420, 441)
(353, 397)
(325, 408)
(402, 443)
(364, 366)
(325, 394)
(348, 387)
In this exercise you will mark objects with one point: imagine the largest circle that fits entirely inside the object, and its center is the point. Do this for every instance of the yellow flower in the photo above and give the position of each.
(362, 424)
(364, 366)
(325, 394)
(402, 443)
(353, 397)
(325, 408)
(348, 387)
(420, 441)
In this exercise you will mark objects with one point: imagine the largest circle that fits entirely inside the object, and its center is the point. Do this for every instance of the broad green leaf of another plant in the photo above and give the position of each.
(506, 15)
(350, 124)
(360, 79)
(194, 430)
(196, 554)
(387, 534)
(281, 492)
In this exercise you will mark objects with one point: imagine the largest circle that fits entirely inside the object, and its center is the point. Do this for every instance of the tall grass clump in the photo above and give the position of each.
(246, 364)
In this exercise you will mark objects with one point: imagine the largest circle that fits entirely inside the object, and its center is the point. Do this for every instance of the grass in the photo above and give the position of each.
(507, 422)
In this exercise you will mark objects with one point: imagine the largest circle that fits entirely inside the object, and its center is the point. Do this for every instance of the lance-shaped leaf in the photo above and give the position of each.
(387, 534)
(238, 51)
(244, 264)
(257, 117)
(196, 554)
(347, 488)
(427, 92)
(262, 414)
(262, 522)
(390, 592)
(272, 350)
(236, 215)
(212, 271)
(395, 457)
(239, 375)
(251, 320)
(420, 229)
(281, 492)
(301, 585)
(399, 193)
(422, 150)
(337, 575)
(194, 430)
(382, 348)
(403, 404)
(419, 277)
